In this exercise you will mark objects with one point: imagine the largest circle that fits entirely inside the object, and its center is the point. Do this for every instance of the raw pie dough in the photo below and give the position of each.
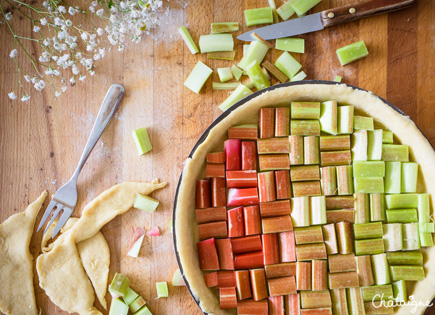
(366, 104)
(17, 296)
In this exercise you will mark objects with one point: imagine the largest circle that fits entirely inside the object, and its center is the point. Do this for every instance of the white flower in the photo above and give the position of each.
(84, 36)
(8, 17)
(27, 78)
(82, 77)
(40, 85)
(92, 9)
(92, 72)
(58, 21)
(25, 98)
(12, 95)
(64, 87)
(57, 94)
(100, 31)
(100, 12)
(36, 28)
(49, 71)
(13, 53)
(62, 9)
(46, 42)
(94, 3)
(72, 10)
(89, 48)
(75, 70)
(43, 21)
(72, 80)
(97, 56)
(68, 23)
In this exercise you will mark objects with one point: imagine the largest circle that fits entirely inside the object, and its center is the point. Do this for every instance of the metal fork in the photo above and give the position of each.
(65, 197)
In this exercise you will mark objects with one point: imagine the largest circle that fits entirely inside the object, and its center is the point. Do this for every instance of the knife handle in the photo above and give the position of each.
(361, 10)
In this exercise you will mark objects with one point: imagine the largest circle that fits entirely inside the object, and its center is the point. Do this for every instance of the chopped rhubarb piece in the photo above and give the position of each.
(342, 280)
(409, 273)
(266, 186)
(280, 270)
(270, 249)
(233, 154)
(177, 280)
(276, 305)
(307, 235)
(282, 184)
(243, 284)
(370, 185)
(280, 77)
(267, 122)
(311, 150)
(367, 230)
(249, 155)
(236, 222)
(296, 150)
(215, 170)
(203, 199)
(369, 247)
(135, 241)
(335, 158)
(258, 284)
(155, 231)
(225, 253)
(355, 301)
(242, 197)
(311, 251)
(341, 202)
(251, 307)
(345, 119)
(162, 289)
(371, 308)
(252, 220)
(282, 286)
(212, 230)
(310, 188)
(402, 216)
(292, 303)
(319, 275)
(300, 211)
(119, 285)
(274, 162)
(374, 147)
(211, 279)
(303, 275)
(360, 145)
(218, 192)
(207, 253)
(335, 216)
(330, 238)
(334, 143)
(244, 132)
(342, 263)
(227, 298)
(216, 157)
(398, 201)
(249, 260)
(413, 258)
(329, 180)
(276, 224)
(226, 279)
(409, 177)
(380, 269)
(282, 120)
(328, 117)
(365, 271)
(241, 179)
(273, 145)
(211, 215)
(363, 123)
(344, 180)
(344, 237)
(315, 299)
(395, 153)
(352, 52)
(287, 247)
(304, 173)
(246, 244)
(393, 175)
(392, 237)
(305, 127)
(305, 110)
(275, 208)
(362, 208)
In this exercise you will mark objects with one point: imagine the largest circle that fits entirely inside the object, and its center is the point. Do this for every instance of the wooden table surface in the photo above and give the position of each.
(42, 140)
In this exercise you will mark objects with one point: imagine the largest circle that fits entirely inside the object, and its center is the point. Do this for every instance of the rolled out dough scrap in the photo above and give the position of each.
(17, 295)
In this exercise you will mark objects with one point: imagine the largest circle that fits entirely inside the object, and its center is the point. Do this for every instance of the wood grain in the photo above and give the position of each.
(41, 141)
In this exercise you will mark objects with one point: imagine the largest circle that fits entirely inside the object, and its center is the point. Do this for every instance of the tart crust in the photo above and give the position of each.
(366, 103)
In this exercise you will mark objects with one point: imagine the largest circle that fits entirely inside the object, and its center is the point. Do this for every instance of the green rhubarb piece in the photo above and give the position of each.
(339, 302)
(328, 117)
(377, 207)
(222, 55)
(410, 236)
(162, 289)
(369, 247)
(345, 119)
(300, 211)
(137, 304)
(374, 146)
(363, 123)
(387, 136)
(392, 237)
(305, 127)
(142, 140)
(257, 76)
(393, 171)
(338, 78)
(119, 285)
(407, 273)
(287, 64)
(118, 307)
(293, 44)
(305, 110)
(258, 16)
(145, 203)
(412, 258)
(318, 210)
(362, 208)
(395, 153)
(197, 78)
(224, 74)
(256, 51)
(225, 86)
(377, 292)
(237, 72)
(298, 77)
(130, 296)
(224, 27)
(216, 42)
(367, 230)
(355, 301)
(428, 227)
(409, 177)
(143, 311)
(423, 208)
(399, 291)
(369, 185)
(402, 216)
(401, 201)
(369, 169)
(274, 71)
(188, 40)
(177, 279)
(359, 145)
(303, 6)
(352, 52)
(380, 269)
(240, 92)
(285, 11)
(426, 239)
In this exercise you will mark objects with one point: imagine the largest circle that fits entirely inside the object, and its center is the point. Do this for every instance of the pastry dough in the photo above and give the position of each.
(17, 295)
(365, 103)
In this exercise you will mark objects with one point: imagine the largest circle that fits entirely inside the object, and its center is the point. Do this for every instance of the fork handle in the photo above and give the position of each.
(108, 108)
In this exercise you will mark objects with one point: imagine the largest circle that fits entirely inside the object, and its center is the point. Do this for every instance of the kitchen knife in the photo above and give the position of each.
(327, 18)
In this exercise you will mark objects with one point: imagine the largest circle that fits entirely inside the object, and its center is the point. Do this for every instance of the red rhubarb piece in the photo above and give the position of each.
(208, 257)
(292, 304)
(227, 298)
(246, 244)
(216, 157)
(277, 224)
(268, 162)
(282, 286)
(242, 197)
(258, 284)
(233, 154)
(266, 186)
(282, 183)
(270, 249)
(282, 122)
(212, 230)
(241, 179)
(211, 279)
(249, 155)
(252, 220)
(211, 215)
(267, 122)
(249, 260)
(287, 246)
(215, 170)
(275, 208)
(225, 254)
(303, 275)
(245, 132)
(203, 199)
(276, 305)
(226, 279)
(251, 307)
(236, 223)
(218, 192)
(243, 284)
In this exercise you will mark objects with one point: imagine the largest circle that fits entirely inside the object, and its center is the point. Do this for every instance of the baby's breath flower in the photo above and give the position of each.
(94, 3)
(100, 31)
(92, 9)
(72, 10)
(25, 98)
(82, 77)
(100, 12)
(12, 95)
(57, 94)
(13, 53)
(36, 28)
(43, 21)
(8, 17)
(62, 9)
